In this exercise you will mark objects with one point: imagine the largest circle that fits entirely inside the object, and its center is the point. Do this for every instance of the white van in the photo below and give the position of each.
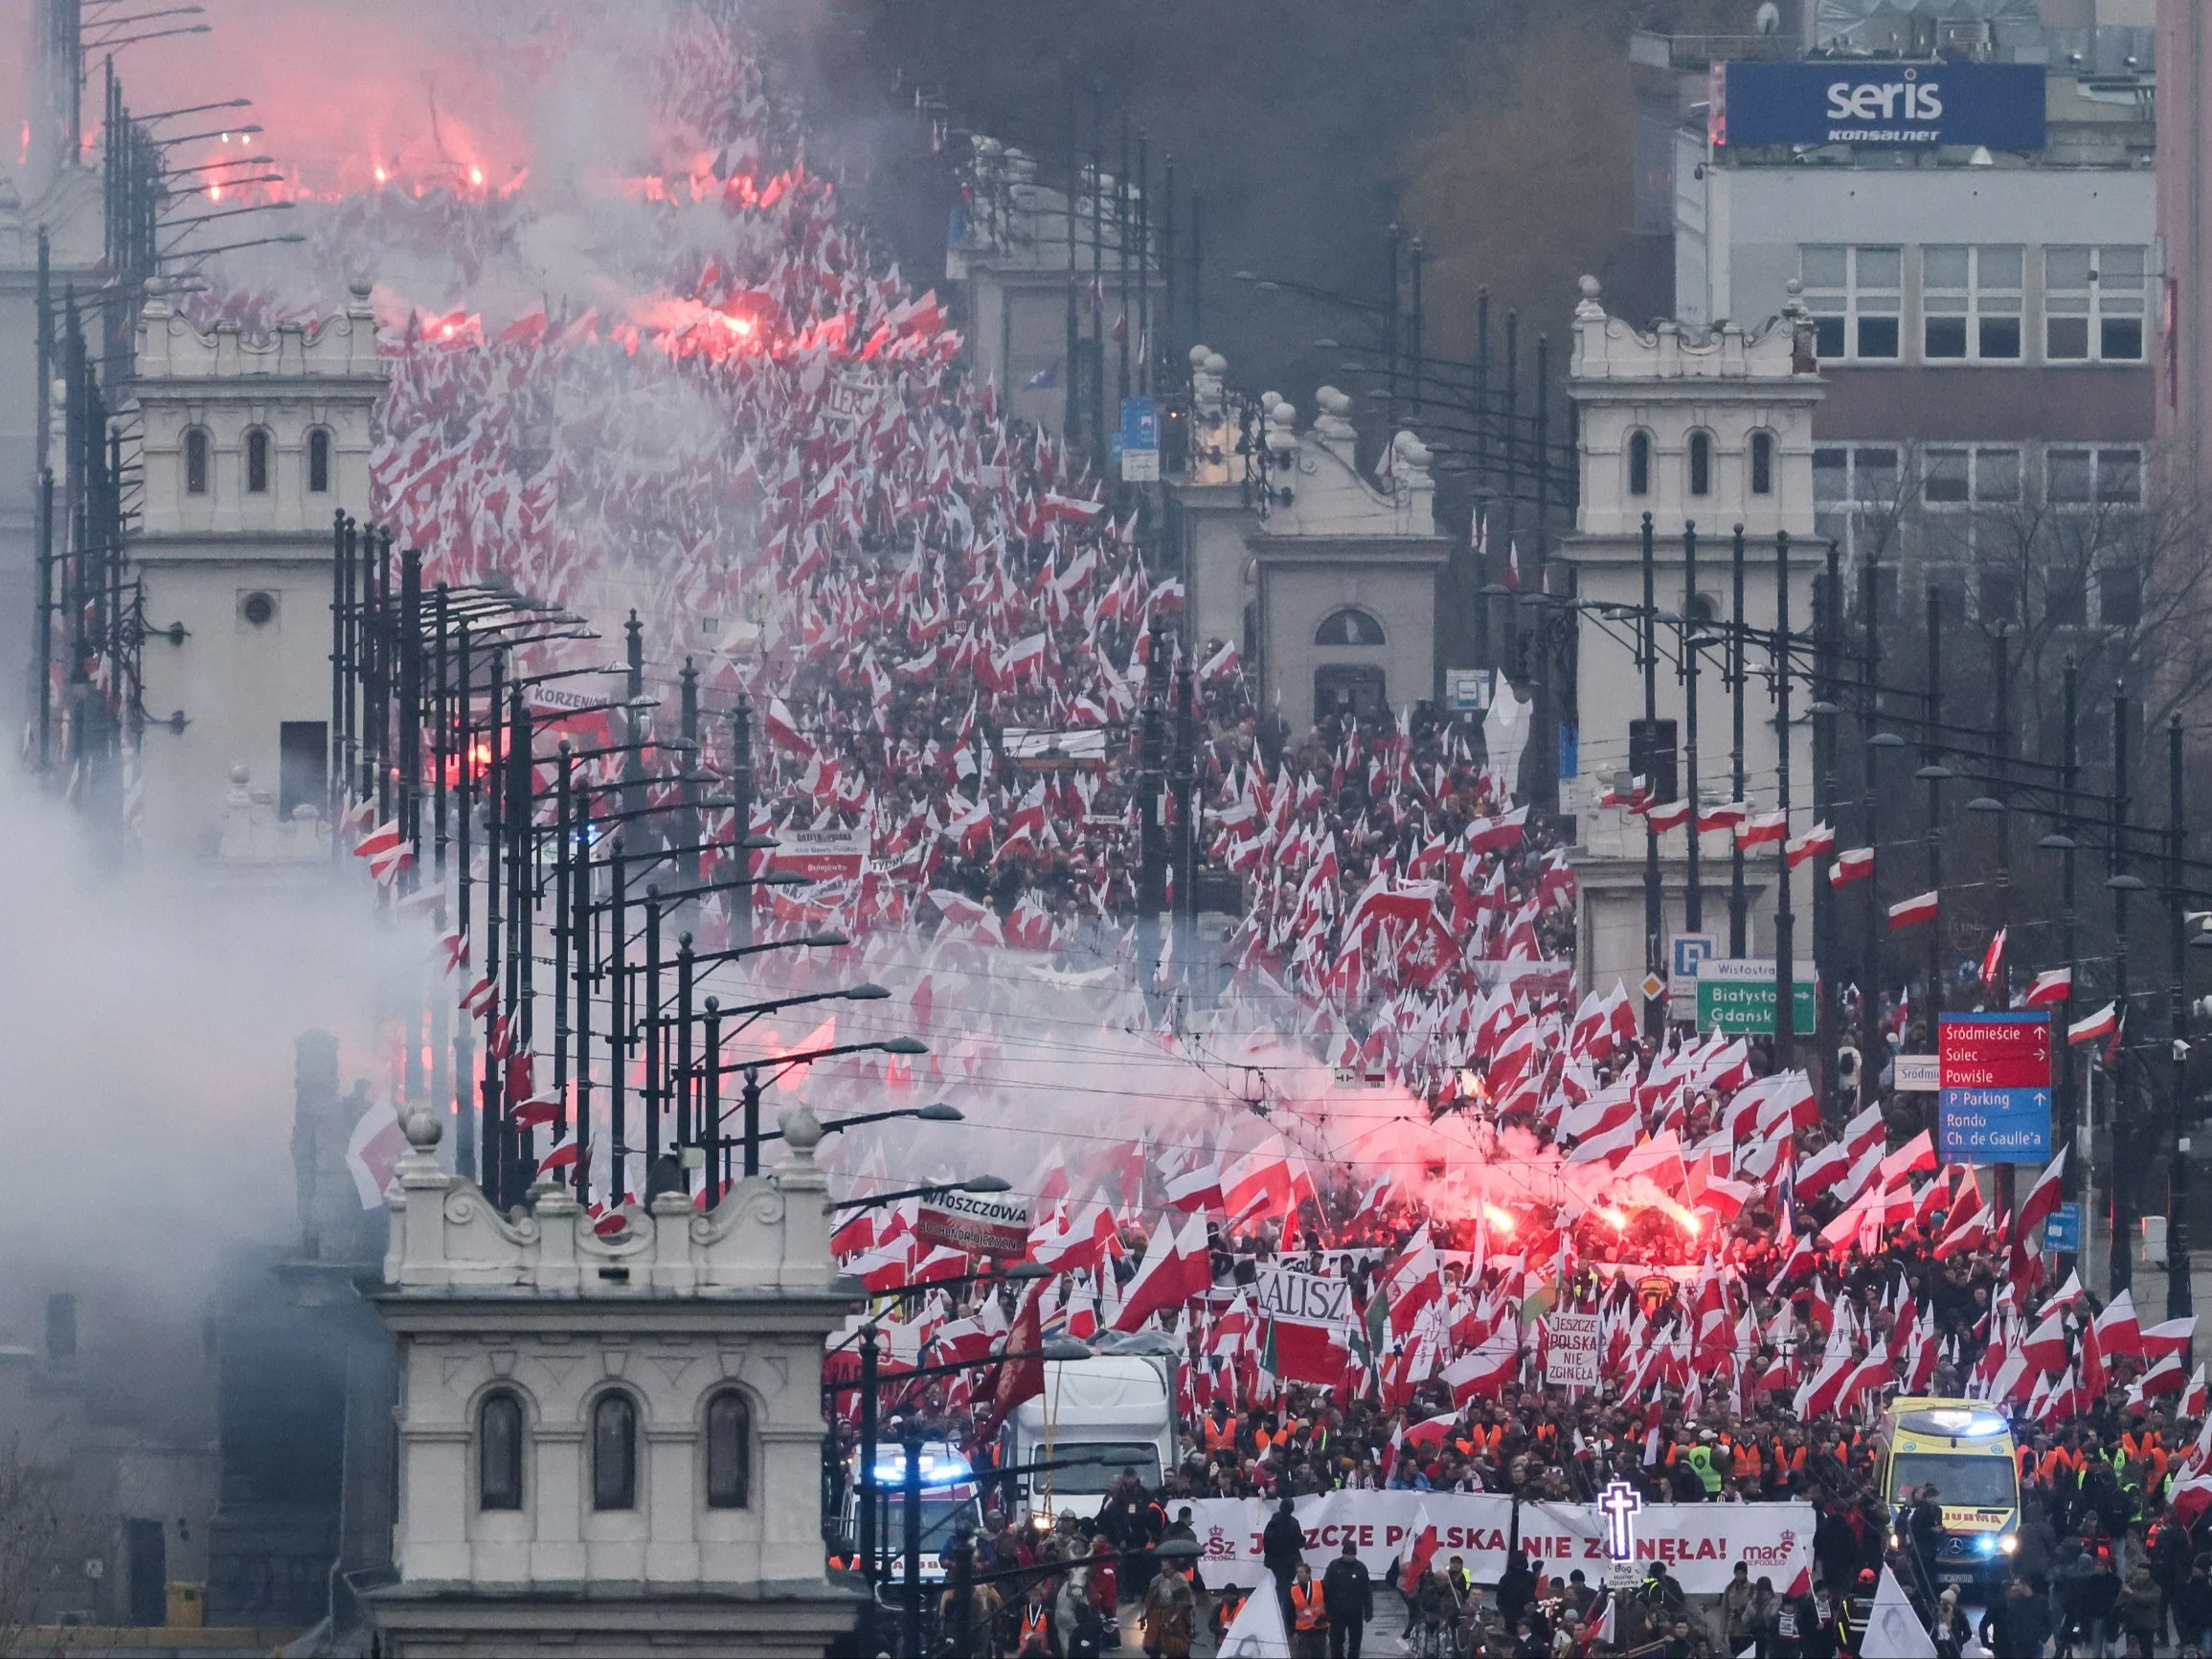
(1100, 1416)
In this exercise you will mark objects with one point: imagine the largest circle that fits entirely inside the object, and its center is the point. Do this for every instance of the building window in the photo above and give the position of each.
(1762, 463)
(1863, 476)
(1700, 463)
(2119, 477)
(319, 461)
(1349, 627)
(1639, 464)
(1996, 476)
(2066, 597)
(614, 1453)
(728, 1451)
(499, 1452)
(257, 461)
(195, 459)
(2093, 304)
(2103, 477)
(1857, 296)
(1945, 477)
(1971, 302)
(2119, 593)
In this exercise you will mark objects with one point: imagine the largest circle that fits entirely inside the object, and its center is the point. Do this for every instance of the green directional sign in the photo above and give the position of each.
(1738, 995)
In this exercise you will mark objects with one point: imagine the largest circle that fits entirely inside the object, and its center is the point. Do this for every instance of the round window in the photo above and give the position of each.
(258, 608)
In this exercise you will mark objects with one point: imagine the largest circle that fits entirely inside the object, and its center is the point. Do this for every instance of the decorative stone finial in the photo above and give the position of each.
(801, 1131)
(361, 290)
(1589, 286)
(1589, 308)
(421, 1128)
(1199, 354)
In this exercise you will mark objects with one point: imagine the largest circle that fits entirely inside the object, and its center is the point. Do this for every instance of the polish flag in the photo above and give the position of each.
(2102, 1023)
(1855, 864)
(1916, 1154)
(1763, 830)
(384, 839)
(2169, 1338)
(2045, 1196)
(1820, 839)
(1672, 814)
(2116, 1328)
(1197, 1189)
(2046, 1346)
(2192, 1397)
(2051, 985)
(1482, 1373)
(1175, 1267)
(1424, 1551)
(1492, 835)
(1992, 960)
(2164, 1377)
(1920, 908)
(1727, 816)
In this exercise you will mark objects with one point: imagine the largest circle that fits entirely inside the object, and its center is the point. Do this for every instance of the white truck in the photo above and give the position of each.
(1100, 1416)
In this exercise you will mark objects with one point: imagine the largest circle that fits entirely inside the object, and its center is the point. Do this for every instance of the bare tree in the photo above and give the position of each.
(38, 1524)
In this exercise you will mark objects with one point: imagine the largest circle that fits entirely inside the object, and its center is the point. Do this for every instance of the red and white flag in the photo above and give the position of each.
(1992, 960)
(1854, 865)
(2045, 1196)
(1907, 912)
(1763, 829)
(1820, 839)
(1423, 1552)
(2102, 1023)
(2051, 985)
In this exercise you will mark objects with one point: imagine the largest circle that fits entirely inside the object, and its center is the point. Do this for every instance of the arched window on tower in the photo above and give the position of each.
(614, 1452)
(195, 459)
(1349, 626)
(499, 1451)
(728, 1451)
(257, 461)
(1762, 463)
(1700, 463)
(1639, 464)
(319, 461)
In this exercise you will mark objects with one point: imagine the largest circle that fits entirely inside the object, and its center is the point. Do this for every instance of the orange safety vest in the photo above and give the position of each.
(1306, 1603)
(1260, 1442)
(1033, 1630)
(1220, 1436)
(1747, 1461)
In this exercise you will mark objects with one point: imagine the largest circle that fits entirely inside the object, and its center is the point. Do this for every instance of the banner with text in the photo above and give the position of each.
(1699, 1543)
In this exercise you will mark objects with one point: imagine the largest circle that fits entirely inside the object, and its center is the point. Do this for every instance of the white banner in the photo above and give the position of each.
(1699, 1543)
(1286, 1293)
(1571, 1349)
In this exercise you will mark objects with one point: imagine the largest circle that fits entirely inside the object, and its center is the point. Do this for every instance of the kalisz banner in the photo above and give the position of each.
(1699, 1544)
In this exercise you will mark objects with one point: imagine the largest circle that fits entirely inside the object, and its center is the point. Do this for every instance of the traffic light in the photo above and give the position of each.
(1651, 756)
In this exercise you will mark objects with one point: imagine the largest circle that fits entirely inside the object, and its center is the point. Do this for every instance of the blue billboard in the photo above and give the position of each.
(1845, 101)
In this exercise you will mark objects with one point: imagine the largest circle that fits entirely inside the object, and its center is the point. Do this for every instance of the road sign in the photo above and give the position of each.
(1738, 995)
(1684, 952)
(1653, 985)
(1139, 440)
(1467, 690)
(1918, 1075)
(1992, 1126)
(2063, 1228)
(1993, 1050)
(1993, 1105)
